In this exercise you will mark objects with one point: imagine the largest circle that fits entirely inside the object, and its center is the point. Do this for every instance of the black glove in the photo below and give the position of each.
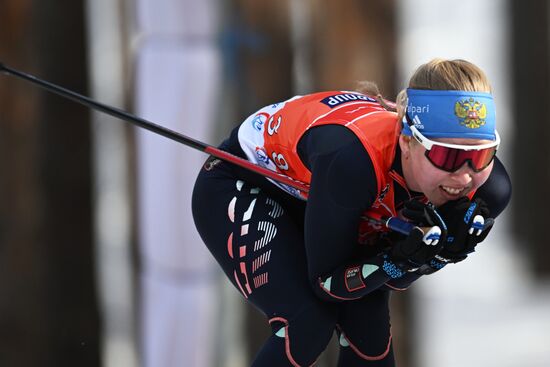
(409, 253)
(423, 215)
(414, 251)
(468, 224)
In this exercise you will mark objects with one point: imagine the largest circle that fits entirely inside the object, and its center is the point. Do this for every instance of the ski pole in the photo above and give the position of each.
(393, 223)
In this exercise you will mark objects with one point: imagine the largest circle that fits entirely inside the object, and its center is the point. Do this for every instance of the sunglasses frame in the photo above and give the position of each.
(428, 144)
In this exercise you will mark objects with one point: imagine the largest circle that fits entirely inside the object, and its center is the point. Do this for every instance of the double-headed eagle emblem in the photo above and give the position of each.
(471, 113)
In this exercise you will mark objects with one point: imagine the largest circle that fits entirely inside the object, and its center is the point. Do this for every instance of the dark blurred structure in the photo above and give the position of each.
(48, 312)
(354, 40)
(531, 96)
(257, 53)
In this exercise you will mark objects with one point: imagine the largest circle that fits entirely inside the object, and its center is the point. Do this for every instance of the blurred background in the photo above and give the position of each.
(100, 264)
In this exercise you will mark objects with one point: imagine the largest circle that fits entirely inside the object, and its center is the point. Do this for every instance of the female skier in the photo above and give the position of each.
(320, 262)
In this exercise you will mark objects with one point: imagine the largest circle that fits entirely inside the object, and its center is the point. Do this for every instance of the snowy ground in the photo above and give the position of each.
(487, 311)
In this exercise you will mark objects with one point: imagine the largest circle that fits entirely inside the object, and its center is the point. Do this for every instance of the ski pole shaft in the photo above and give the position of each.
(393, 223)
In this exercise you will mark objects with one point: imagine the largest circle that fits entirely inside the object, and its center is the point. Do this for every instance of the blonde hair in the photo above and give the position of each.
(371, 89)
(441, 74)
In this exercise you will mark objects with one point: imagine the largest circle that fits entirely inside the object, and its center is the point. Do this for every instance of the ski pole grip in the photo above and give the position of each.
(399, 225)
(404, 227)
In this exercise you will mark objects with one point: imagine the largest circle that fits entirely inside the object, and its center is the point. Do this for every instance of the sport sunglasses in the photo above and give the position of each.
(450, 157)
